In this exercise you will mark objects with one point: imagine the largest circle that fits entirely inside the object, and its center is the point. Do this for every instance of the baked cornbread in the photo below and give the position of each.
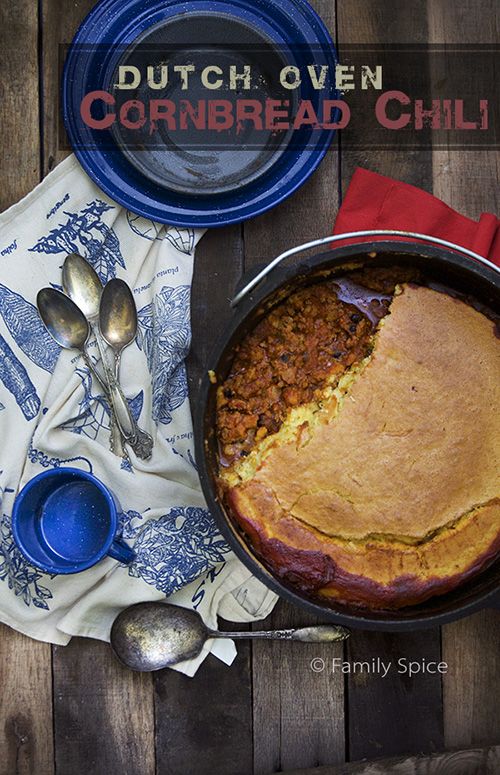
(384, 488)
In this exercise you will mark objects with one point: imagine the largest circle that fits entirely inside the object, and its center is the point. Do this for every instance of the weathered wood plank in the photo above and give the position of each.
(204, 724)
(472, 684)
(474, 761)
(374, 23)
(19, 106)
(26, 743)
(218, 267)
(298, 702)
(103, 713)
(58, 28)
(468, 181)
(391, 715)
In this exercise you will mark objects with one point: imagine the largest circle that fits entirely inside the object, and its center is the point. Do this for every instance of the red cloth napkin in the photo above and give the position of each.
(376, 202)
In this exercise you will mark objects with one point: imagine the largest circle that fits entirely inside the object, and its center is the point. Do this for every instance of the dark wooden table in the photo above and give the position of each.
(73, 710)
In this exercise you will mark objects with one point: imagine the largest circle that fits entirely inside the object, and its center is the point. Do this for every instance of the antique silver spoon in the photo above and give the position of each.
(150, 636)
(118, 325)
(117, 318)
(66, 324)
(83, 286)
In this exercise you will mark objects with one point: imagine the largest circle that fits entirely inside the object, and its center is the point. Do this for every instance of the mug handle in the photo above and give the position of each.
(120, 551)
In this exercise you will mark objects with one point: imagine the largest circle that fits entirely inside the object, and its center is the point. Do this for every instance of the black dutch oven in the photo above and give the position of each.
(443, 263)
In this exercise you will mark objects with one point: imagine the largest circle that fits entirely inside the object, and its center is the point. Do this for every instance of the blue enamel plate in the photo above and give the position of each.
(200, 113)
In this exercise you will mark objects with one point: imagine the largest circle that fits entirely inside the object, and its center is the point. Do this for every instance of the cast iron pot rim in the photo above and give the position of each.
(244, 552)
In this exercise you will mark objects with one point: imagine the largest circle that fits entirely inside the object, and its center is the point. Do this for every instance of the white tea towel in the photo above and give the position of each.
(52, 414)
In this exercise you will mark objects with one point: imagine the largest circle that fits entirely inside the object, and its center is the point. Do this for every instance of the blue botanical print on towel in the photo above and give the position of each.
(165, 336)
(86, 233)
(204, 585)
(127, 528)
(177, 548)
(94, 411)
(26, 328)
(20, 576)
(37, 456)
(17, 381)
(188, 457)
(181, 239)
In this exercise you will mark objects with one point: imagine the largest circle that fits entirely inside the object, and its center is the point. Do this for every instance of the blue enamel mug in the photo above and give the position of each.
(65, 521)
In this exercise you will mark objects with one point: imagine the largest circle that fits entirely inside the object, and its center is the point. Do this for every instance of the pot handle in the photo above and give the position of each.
(355, 235)
(248, 276)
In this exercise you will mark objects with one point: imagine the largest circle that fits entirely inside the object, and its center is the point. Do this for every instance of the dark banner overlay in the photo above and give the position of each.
(394, 97)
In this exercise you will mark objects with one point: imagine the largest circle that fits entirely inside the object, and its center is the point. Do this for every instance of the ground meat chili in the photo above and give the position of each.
(296, 351)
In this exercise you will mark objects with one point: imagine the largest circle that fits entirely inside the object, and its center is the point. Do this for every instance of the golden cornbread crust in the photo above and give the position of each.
(389, 494)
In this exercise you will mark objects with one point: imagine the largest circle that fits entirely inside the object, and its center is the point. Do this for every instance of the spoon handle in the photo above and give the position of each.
(115, 430)
(117, 445)
(94, 371)
(320, 633)
(140, 441)
(102, 379)
(118, 400)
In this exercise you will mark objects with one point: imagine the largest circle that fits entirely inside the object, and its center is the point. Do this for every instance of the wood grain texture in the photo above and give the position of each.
(58, 25)
(468, 181)
(26, 740)
(375, 23)
(103, 713)
(298, 701)
(392, 715)
(472, 685)
(218, 267)
(475, 761)
(204, 724)
(19, 103)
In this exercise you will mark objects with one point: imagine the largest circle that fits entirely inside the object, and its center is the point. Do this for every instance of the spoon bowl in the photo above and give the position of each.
(82, 284)
(118, 315)
(62, 319)
(150, 636)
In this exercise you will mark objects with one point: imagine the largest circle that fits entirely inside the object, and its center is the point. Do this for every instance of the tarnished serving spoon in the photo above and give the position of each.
(82, 284)
(150, 636)
(66, 324)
